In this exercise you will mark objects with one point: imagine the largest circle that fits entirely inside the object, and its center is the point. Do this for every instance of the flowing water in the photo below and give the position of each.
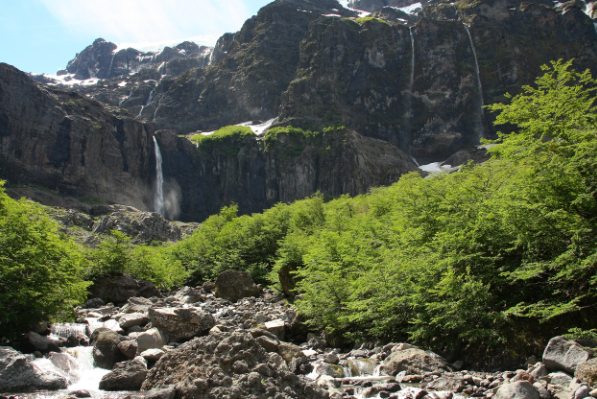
(412, 59)
(470, 38)
(156, 109)
(123, 100)
(159, 193)
(111, 63)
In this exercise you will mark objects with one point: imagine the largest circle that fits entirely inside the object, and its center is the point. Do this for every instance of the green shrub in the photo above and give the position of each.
(39, 269)
(225, 134)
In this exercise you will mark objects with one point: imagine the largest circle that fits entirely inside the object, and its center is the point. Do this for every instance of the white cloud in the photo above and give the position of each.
(149, 20)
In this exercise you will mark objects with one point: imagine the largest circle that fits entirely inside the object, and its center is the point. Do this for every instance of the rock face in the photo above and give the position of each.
(18, 375)
(119, 289)
(58, 139)
(232, 365)
(234, 285)
(414, 361)
(563, 354)
(181, 324)
(125, 376)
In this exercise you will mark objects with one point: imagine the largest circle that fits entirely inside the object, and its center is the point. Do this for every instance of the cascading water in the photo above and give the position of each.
(159, 193)
(149, 100)
(124, 99)
(412, 59)
(156, 109)
(482, 114)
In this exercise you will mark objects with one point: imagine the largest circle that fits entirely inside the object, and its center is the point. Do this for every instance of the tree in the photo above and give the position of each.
(39, 269)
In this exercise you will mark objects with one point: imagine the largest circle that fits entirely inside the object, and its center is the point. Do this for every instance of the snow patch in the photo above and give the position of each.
(123, 83)
(345, 4)
(331, 15)
(436, 167)
(259, 128)
(412, 9)
(147, 47)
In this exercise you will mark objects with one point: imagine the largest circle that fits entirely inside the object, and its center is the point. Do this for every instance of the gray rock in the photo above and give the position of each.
(128, 320)
(105, 349)
(268, 343)
(181, 324)
(414, 361)
(330, 369)
(17, 374)
(153, 355)
(564, 354)
(289, 351)
(152, 338)
(189, 295)
(32, 342)
(517, 390)
(128, 348)
(559, 378)
(164, 393)
(234, 285)
(125, 376)
(226, 365)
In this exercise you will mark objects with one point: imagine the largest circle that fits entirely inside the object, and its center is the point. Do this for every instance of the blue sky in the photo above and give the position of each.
(43, 35)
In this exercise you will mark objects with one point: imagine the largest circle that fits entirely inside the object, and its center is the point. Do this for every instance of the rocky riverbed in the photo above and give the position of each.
(233, 339)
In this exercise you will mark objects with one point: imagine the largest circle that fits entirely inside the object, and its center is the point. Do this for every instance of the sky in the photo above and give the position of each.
(41, 36)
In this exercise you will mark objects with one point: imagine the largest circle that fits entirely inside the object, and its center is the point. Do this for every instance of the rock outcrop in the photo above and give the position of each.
(231, 364)
(564, 354)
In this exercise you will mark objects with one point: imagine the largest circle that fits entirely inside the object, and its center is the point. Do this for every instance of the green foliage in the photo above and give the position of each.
(364, 20)
(232, 133)
(39, 270)
(495, 255)
(115, 256)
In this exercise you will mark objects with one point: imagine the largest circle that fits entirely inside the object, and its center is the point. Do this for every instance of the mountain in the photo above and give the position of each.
(407, 83)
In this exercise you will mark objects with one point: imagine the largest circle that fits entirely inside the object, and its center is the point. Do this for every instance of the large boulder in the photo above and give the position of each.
(587, 372)
(564, 354)
(119, 289)
(226, 365)
(128, 320)
(106, 350)
(517, 390)
(189, 295)
(152, 338)
(125, 376)
(414, 361)
(32, 342)
(289, 351)
(234, 285)
(17, 374)
(181, 324)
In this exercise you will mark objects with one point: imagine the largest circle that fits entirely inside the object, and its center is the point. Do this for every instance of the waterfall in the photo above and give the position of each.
(156, 109)
(141, 111)
(211, 55)
(412, 59)
(111, 63)
(122, 101)
(159, 193)
(150, 99)
(482, 114)
(89, 377)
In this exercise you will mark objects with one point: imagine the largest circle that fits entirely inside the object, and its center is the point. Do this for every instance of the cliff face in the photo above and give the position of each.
(63, 141)
(256, 174)
(60, 140)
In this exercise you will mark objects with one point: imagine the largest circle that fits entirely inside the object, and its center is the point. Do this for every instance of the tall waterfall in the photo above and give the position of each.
(482, 114)
(159, 192)
(412, 59)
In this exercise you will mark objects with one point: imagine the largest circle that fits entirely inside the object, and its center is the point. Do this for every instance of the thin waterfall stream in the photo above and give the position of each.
(159, 191)
(482, 114)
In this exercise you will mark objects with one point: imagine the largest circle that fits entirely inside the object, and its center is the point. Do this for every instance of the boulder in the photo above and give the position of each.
(414, 361)
(587, 372)
(94, 303)
(32, 342)
(269, 344)
(189, 295)
(517, 390)
(276, 327)
(181, 324)
(330, 369)
(234, 285)
(153, 355)
(564, 354)
(125, 376)
(105, 349)
(119, 289)
(226, 365)
(128, 348)
(17, 374)
(165, 393)
(128, 320)
(152, 338)
(289, 351)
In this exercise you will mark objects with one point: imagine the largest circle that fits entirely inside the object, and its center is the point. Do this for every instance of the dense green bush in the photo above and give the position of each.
(39, 270)
(226, 133)
(115, 256)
